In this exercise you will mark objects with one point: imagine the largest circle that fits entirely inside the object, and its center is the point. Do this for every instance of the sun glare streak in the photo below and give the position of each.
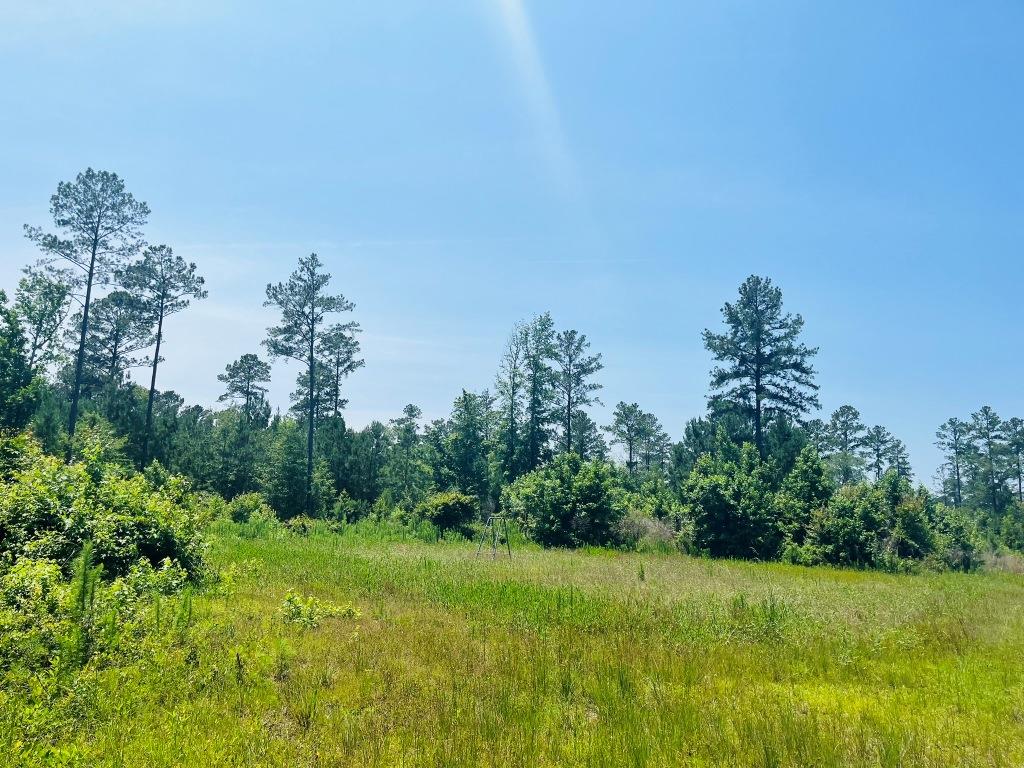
(537, 91)
(545, 115)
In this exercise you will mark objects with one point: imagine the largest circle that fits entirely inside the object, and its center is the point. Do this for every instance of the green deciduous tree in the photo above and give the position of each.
(18, 385)
(568, 503)
(42, 302)
(805, 490)
(98, 229)
(730, 500)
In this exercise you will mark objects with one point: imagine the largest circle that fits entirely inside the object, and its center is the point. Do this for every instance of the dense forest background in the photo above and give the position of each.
(756, 476)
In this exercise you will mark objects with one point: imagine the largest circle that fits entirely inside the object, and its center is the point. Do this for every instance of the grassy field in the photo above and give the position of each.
(559, 658)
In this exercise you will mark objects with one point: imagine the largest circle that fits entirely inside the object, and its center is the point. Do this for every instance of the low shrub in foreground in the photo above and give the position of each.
(87, 549)
(49, 509)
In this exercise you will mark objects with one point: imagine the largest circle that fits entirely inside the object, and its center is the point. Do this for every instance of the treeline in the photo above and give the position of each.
(755, 477)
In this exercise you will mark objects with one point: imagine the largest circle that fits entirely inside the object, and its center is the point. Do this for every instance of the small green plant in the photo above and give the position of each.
(309, 612)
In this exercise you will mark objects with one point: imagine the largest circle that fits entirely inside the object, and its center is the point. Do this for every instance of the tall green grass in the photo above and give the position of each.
(550, 658)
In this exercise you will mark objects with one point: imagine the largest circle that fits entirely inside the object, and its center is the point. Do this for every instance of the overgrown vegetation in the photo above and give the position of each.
(756, 477)
(323, 627)
(367, 647)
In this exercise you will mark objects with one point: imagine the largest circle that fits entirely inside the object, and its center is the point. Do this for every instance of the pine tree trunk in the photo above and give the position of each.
(309, 431)
(568, 423)
(80, 360)
(152, 386)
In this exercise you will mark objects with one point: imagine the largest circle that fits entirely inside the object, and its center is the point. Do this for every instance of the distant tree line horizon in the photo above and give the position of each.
(757, 475)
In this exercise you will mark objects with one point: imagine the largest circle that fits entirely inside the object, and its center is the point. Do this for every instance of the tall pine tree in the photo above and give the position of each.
(573, 379)
(766, 369)
(98, 229)
(166, 284)
(305, 306)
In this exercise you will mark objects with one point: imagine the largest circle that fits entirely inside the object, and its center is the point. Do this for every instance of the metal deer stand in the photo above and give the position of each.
(495, 527)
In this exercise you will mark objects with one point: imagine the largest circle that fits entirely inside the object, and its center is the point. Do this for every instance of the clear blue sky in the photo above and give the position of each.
(462, 165)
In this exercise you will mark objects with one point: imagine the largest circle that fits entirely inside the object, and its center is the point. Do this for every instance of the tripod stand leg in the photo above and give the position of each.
(483, 535)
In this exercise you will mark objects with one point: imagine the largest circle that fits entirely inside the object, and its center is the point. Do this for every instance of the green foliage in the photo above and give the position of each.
(302, 335)
(572, 382)
(449, 511)
(249, 508)
(464, 447)
(245, 382)
(804, 490)
(18, 386)
(766, 369)
(884, 525)
(846, 531)
(119, 329)
(42, 302)
(309, 612)
(164, 284)
(730, 502)
(568, 503)
(49, 510)
(282, 475)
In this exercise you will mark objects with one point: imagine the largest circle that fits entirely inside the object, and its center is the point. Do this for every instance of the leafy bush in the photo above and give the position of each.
(637, 531)
(568, 503)
(349, 510)
(249, 508)
(448, 511)
(845, 532)
(304, 525)
(804, 490)
(49, 509)
(50, 620)
(730, 502)
(884, 525)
